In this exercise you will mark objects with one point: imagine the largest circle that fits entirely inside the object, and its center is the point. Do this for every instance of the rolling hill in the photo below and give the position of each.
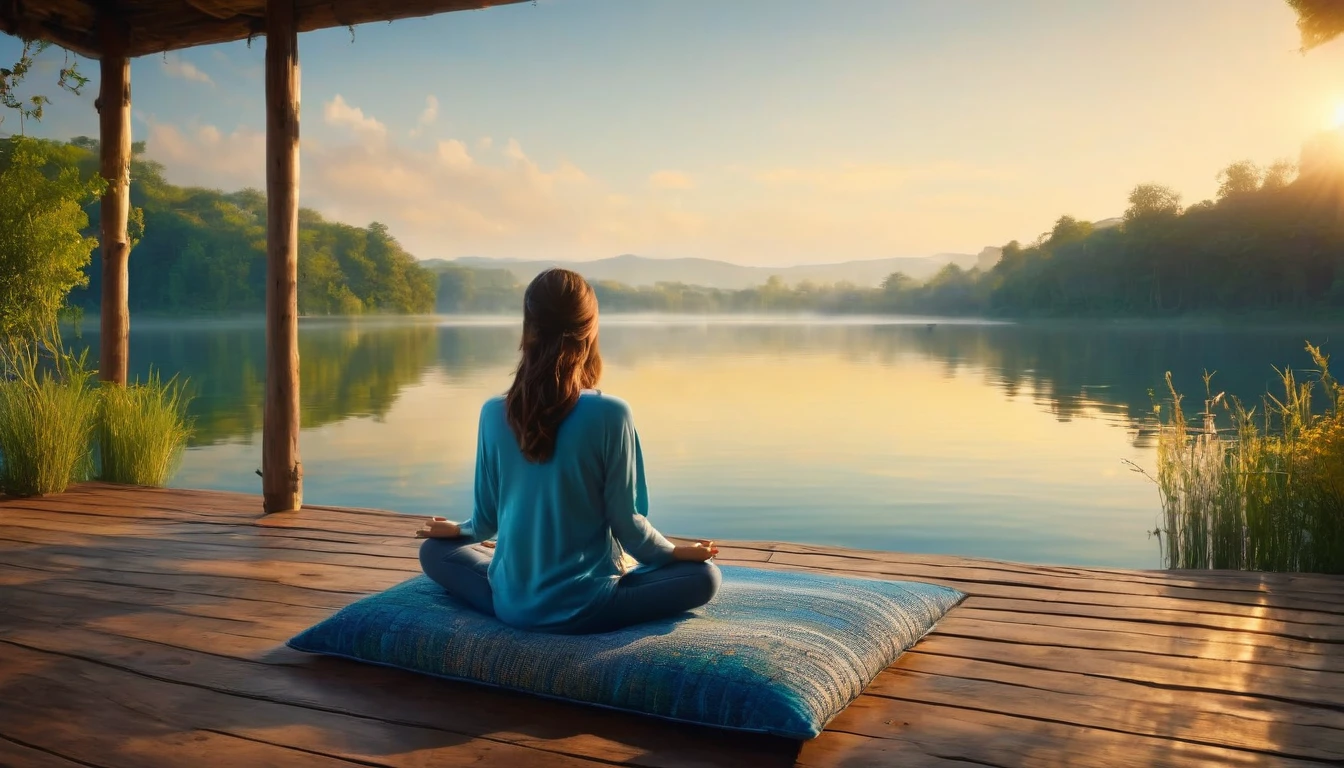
(643, 271)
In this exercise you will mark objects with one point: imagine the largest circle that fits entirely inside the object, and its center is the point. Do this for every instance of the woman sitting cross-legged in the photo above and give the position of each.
(560, 485)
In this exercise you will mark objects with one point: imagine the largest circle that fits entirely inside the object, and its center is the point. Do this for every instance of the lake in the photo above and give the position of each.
(965, 438)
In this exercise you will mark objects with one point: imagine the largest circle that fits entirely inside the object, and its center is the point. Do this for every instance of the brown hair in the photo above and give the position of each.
(560, 359)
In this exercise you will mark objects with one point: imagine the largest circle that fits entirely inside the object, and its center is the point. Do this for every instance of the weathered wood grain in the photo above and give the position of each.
(146, 627)
(282, 470)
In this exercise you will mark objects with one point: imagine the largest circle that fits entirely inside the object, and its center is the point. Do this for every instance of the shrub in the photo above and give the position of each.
(142, 431)
(47, 415)
(1267, 496)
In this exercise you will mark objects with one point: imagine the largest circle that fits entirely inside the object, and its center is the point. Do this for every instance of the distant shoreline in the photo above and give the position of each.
(90, 321)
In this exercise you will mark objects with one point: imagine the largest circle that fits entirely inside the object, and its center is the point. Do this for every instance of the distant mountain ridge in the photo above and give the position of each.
(643, 271)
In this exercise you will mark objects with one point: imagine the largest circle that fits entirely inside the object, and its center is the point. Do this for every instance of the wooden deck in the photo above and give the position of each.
(145, 628)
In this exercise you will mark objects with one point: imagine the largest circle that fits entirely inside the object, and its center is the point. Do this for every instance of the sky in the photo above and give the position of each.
(759, 132)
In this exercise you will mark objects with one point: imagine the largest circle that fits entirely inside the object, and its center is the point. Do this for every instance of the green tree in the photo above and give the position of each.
(1238, 179)
(898, 282)
(1068, 230)
(1279, 175)
(1152, 201)
(43, 251)
(11, 77)
(1318, 21)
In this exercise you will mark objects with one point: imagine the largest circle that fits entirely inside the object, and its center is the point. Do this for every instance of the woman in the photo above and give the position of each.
(560, 484)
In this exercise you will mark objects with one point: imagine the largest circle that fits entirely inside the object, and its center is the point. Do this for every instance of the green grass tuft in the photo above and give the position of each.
(142, 431)
(47, 416)
(1266, 496)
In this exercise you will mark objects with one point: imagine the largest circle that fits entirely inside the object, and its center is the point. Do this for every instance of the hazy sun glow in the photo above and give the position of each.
(1338, 121)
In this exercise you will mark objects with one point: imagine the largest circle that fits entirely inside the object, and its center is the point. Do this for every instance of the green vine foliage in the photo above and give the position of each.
(69, 79)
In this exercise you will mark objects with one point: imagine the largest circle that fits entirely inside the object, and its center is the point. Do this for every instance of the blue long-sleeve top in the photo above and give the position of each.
(558, 523)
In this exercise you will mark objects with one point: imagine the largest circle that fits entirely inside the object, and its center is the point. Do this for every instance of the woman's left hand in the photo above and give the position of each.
(699, 552)
(439, 528)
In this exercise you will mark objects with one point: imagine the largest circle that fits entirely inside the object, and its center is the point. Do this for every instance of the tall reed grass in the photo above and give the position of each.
(52, 416)
(47, 414)
(1266, 495)
(143, 430)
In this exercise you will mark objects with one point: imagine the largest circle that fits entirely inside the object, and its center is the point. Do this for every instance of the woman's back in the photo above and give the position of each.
(560, 482)
(558, 522)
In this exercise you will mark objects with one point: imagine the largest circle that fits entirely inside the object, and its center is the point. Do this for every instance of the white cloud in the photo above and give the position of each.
(671, 180)
(514, 151)
(204, 156)
(439, 201)
(452, 198)
(428, 117)
(868, 178)
(176, 66)
(453, 154)
(340, 114)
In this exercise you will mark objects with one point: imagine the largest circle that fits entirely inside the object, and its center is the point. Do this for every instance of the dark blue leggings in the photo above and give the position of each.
(641, 596)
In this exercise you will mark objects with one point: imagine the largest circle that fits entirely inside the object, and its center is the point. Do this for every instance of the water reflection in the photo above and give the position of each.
(348, 369)
(977, 439)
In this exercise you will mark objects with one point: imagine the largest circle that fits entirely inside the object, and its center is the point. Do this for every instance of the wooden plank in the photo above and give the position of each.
(269, 733)
(194, 584)
(111, 516)
(114, 150)
(1187, 722)
(1171, 645)
(334, 686)
(1174, 672)
(239, 626)
(972, 578)
(1302, 610)
(185, 598)
(282, 471)
(994, 739)
(1218, 579)
(100, 725)
(199, 632)
(849, 750)
(12, 753)
(1222, 718)
(1048, 623)
(1226, 720)
(1166, 616)
(402, 556)
(241, 506)
(24, 527)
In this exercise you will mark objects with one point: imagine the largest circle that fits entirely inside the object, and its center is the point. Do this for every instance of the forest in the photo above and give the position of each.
(1271, 242)
(204, 251)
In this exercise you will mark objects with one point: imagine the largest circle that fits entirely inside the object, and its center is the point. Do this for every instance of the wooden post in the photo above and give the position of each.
(114, 148)
(282, 472)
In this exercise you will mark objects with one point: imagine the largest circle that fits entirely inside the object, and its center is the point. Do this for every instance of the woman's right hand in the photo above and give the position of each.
(698, 552)
(439, 528)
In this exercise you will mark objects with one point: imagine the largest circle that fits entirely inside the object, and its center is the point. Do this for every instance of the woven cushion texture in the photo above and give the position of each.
(778, 652)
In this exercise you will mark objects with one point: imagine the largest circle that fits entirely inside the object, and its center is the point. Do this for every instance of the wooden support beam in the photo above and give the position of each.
(282, 472)
(114, 147)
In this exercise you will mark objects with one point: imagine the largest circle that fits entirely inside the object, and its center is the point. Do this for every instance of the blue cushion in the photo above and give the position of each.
(779, 652)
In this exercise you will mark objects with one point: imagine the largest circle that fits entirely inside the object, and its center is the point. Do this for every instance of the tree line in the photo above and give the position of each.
(1271, 241)
(204, 251)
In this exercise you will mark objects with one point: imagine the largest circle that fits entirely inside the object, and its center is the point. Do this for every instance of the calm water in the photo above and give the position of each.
(972, 439)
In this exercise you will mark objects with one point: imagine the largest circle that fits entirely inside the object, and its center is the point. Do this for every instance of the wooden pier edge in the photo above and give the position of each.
(143, 627)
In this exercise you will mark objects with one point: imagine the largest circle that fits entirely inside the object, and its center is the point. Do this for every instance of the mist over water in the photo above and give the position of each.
(910, 434)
